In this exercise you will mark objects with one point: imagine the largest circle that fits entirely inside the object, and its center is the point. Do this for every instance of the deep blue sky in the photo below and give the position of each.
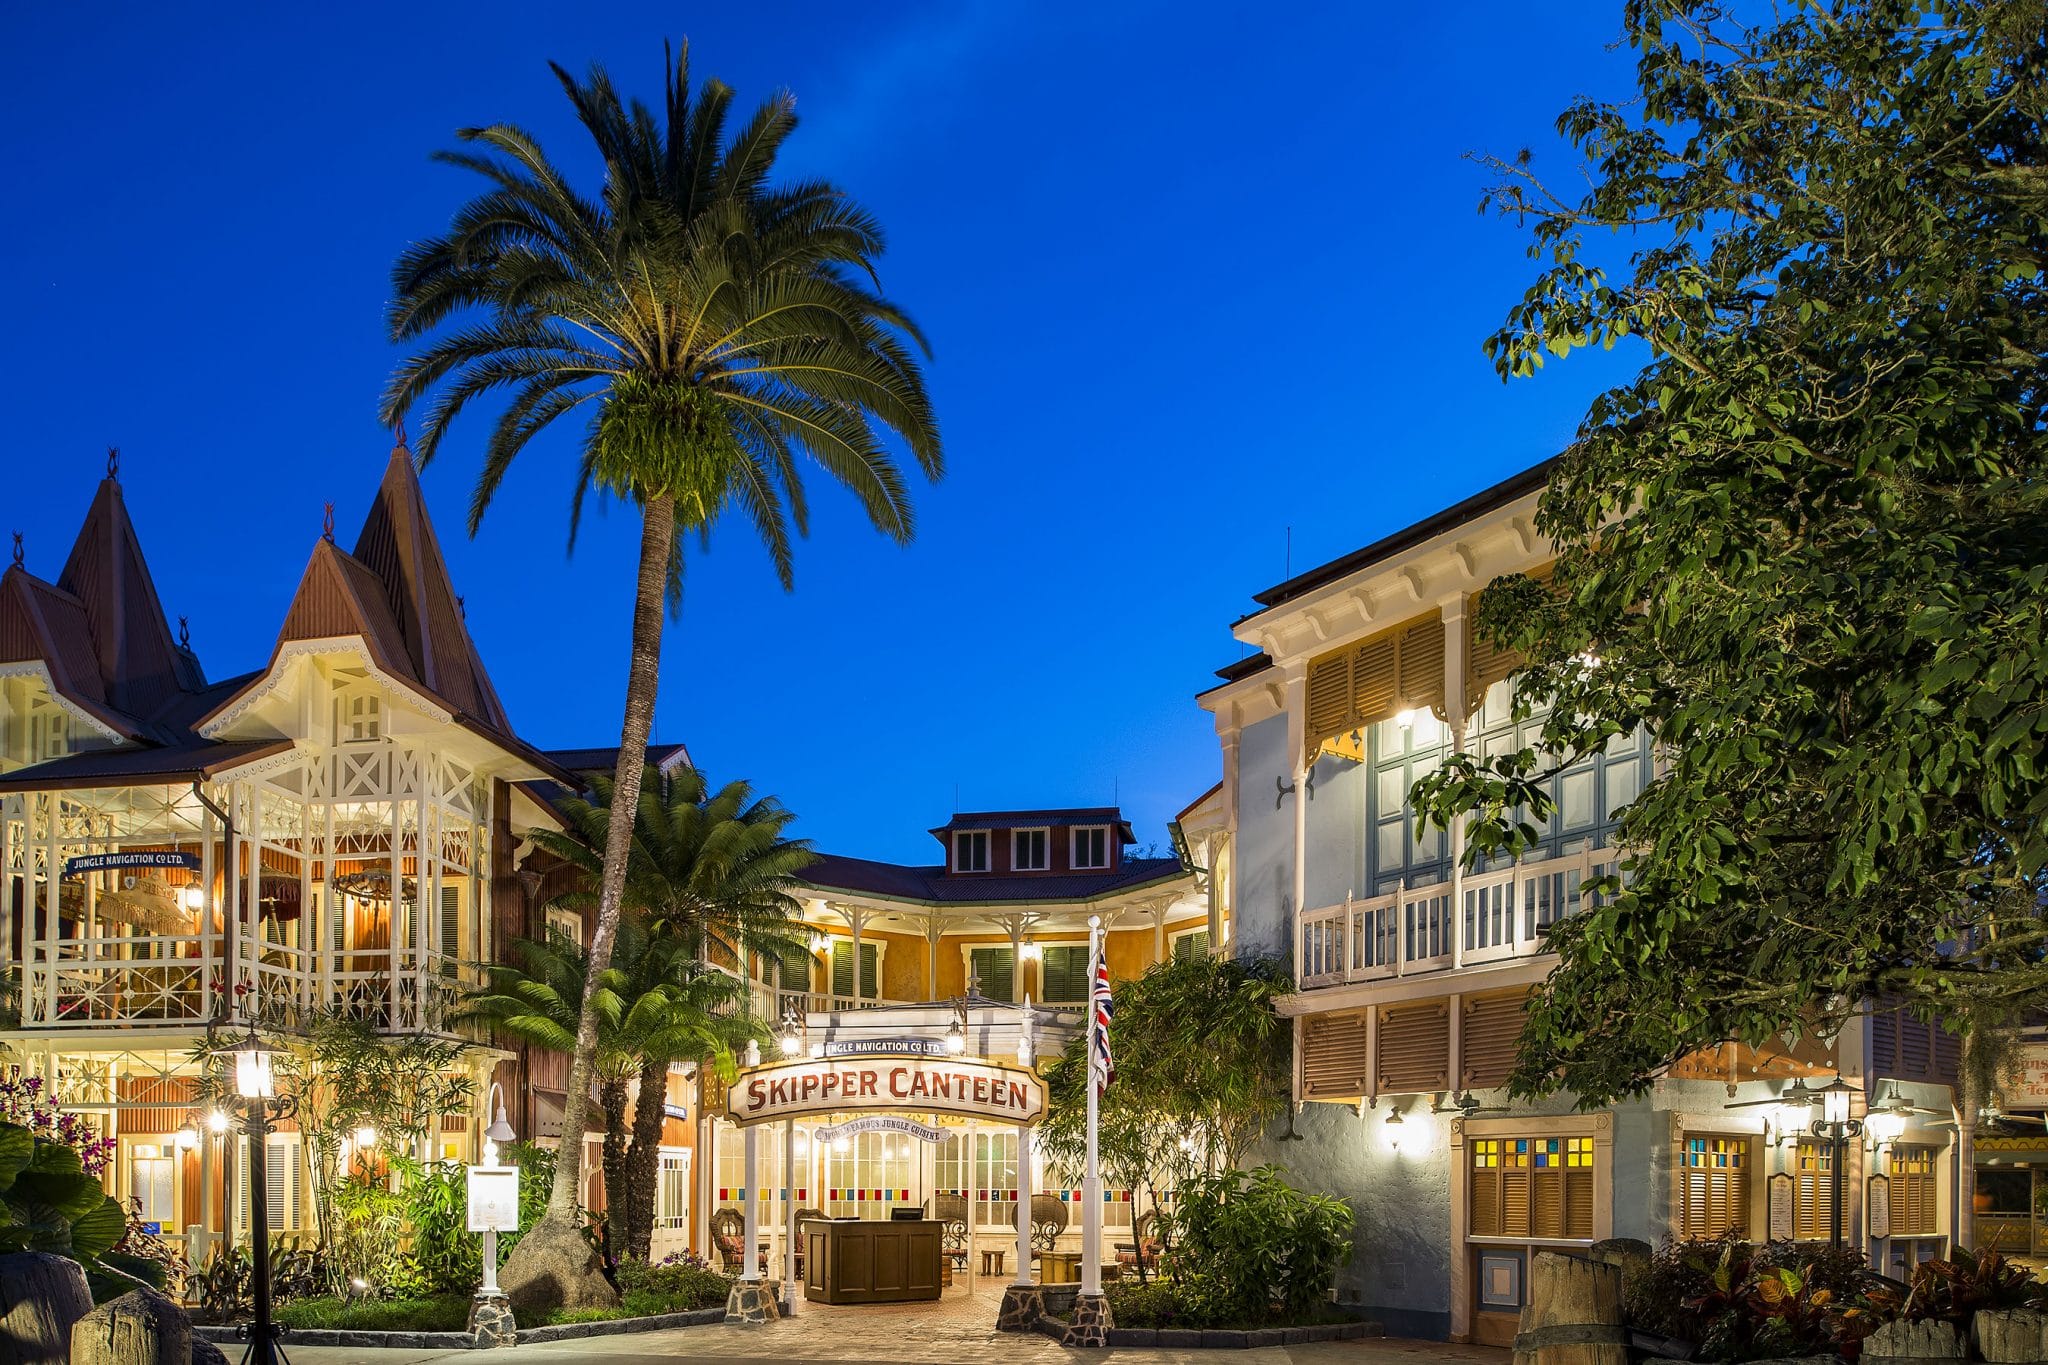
(1195, 274)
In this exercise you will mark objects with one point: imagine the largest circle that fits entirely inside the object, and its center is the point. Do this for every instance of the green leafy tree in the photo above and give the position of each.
(712, 874)
(1201, 1072)
(1806, 545)
(716, 330)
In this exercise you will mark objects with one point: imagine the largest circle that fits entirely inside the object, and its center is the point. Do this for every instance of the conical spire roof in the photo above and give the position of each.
(141, 667)
(398, 545)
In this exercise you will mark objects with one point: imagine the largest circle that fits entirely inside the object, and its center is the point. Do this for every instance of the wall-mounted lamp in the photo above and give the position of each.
(1393, 1124)
(1406, 718)
(1031, 952)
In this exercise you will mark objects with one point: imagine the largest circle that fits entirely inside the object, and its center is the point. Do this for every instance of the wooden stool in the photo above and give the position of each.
(991, 1262)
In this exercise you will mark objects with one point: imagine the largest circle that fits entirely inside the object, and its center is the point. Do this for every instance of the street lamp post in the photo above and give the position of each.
(1837, 1127)
(256, 1084)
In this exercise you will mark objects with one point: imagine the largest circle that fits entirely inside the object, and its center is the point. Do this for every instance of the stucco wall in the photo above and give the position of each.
(1265, 841)
(1336, 832)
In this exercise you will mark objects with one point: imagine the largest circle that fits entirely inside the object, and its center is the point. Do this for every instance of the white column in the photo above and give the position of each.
(1454, 707)
(973, 1267)
(750, 1256)
(789, 1188)
(854, 919)
(1091, 1184)
(1025, 1189)
(1298, 768)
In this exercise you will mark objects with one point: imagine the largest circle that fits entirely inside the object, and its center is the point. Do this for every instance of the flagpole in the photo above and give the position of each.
(1091, 1184)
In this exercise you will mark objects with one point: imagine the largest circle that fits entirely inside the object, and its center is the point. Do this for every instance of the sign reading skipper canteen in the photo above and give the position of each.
(919, 1085)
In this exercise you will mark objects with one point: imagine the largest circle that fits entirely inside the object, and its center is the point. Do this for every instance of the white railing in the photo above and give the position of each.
(1499, 915)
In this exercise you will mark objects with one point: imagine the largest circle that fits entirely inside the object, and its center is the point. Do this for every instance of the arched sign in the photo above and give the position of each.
(911, 1085)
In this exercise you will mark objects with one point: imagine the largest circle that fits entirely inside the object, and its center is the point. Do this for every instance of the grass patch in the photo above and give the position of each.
(442, 1313)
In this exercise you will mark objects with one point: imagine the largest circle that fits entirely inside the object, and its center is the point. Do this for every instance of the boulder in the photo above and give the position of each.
(41, 1298)
(2013, 1336)
(1913, 1341)
(141, 1327)
(554, 1267)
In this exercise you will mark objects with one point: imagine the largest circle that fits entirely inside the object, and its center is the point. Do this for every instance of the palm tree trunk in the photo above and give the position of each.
(657, 540)
(611, 1097)
(550, 1268)
(634, 1219)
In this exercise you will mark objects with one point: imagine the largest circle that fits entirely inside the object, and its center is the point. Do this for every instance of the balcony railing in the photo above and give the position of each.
(1482, 917)
(181, 980)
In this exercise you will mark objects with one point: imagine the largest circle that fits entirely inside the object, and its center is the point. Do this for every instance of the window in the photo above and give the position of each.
(563, 923)
(867, 1174)
(1715, 1193)
(1912, 1191)
(792, 966)
(995, 970)
(1532, 1187)
(1813, 1190)
(672, 1204)
(150, 1184)
(1028, 850)
(284, 1184)
(1191, 945)
(970, 850)
(994, 1174)
(1065, 971)
(842, 968)
(358, 717)
(1091, 846)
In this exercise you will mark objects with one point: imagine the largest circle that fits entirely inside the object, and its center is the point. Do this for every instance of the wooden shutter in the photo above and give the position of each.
(1486, 1039)
(1365, 683)
(1486, 663)
(1064, 973)
(842, 968)
(1813, 1191)
(997, 968)
(1333, 1057)
(1715, 1192)
(1911, 1191)
(792, 967)
(451, 921)
(1190, 946)
(1415, 1047)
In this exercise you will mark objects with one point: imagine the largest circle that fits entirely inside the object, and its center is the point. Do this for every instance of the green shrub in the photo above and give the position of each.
(1736, 1300)
(1248, 1246)
(440, 1313)
(1155, 1303)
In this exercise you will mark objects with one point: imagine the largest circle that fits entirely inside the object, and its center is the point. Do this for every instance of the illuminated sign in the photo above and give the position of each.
(883, 1123)
(494, 1199)
(911, 1085)
(113, 862)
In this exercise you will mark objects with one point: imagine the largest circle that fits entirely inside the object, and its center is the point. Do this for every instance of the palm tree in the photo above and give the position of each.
(721, 330)
(654, 1004)
(707, 870)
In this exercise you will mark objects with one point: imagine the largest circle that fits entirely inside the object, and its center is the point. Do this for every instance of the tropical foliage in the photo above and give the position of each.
(1201, 1073)
(715, 329)
(1806, 545)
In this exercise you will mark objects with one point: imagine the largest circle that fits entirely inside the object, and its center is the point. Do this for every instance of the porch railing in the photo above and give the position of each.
(1492, 916)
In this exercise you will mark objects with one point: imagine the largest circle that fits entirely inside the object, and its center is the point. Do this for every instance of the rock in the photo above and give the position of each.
(491, 1322)
(41, 1298)
(2011, 1336)
(1915, 1341)
(753, 1302)
(141, 1327)
(1023, 1305)
(205, 1352)
(553, 1267)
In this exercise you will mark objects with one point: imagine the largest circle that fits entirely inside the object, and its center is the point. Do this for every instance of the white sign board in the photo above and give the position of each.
(904, 1085)
(883, 1123)
(2027, 1087)
(494, 1199)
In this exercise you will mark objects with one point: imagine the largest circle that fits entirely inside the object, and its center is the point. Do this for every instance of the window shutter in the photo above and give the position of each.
(1066, 974)
(279, 1182)
(1363, 684)
(451, 921)
(842, 968)
(1415, 1044)
(997, 969)
(1190, 946)
(1492, 1027)
(792, 967)
(1333, 1064)
(339, 919)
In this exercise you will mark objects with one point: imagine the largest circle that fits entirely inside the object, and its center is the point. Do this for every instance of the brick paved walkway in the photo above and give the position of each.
(957, 1330)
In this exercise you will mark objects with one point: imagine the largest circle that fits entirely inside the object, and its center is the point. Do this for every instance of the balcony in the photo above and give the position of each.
(173, 981)
(1480, 918)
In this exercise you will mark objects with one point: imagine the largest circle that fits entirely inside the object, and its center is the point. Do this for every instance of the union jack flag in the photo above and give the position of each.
(1102, 1065)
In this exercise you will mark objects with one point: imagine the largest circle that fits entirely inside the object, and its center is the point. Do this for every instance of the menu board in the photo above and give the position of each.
(1780, 1186)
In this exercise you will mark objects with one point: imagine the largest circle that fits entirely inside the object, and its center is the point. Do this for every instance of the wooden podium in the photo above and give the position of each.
(863, 1260)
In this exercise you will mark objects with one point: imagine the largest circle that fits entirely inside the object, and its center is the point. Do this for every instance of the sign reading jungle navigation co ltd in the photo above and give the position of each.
(917, 1085)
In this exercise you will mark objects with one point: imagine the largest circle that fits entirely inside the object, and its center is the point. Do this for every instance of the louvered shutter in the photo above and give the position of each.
(1414, 1048)
(1329, 696)
(1065, 973)
(1486, 663)
(997, 968)
(1514, 1202)
(1375, 679)
(1578, 1202)
(451, 921)
(1422, 666)
(338, 921)
(1884, 1043)
(1333, 1059)
(842, 968)
(1486, 1211)
(792, 967)
(1365, 683)
(1487, 1037)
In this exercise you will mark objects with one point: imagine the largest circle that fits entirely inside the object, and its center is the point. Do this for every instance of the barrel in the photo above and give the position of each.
(1572, 1315)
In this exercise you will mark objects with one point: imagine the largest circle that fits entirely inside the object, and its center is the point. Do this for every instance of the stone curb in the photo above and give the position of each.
(462, 1341)
(1230, 1339)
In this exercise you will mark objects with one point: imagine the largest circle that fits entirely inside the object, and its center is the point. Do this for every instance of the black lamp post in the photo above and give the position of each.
(1837, 1127)
(256, 1084)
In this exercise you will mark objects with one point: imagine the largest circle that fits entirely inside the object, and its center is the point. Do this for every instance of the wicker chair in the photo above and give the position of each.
(1143, 1244)
(1048, 1221)
(951, 1211)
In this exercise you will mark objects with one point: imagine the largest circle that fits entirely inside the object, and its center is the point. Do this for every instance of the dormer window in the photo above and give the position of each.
(1091, 847)
(1028, 850)
(970, 850)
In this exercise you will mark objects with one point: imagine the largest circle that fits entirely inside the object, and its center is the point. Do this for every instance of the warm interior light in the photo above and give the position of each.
(1834, 1100)
(191, 897)
(255, 1072)
(187, 1139)
(820, 941)
(840, 1144)
(366, 1136)
(1887, 1124)
(1031, 952)
(217, 1120)
(1405, 718)
(956, 1038)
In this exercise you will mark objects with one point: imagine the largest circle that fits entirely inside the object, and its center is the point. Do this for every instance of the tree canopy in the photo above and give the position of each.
(1806, 545)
